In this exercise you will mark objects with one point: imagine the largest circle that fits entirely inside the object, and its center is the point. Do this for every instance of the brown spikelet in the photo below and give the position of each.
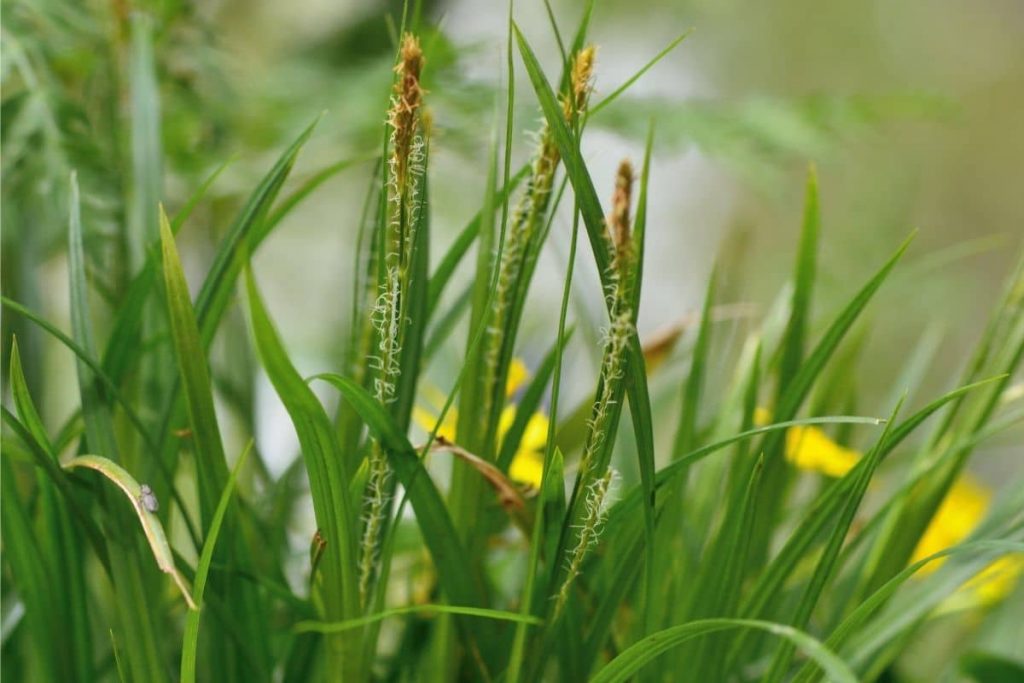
(405, 104)
(618, 221)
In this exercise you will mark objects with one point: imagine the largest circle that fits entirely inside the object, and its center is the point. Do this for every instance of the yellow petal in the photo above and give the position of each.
(426, 421)
(528, 463)
(809, 448)
(963, 508)
(505, 420)
(960, 512)
(996, 581)
(517, 375)
(762, 416)
(527, 468)
(965, 505)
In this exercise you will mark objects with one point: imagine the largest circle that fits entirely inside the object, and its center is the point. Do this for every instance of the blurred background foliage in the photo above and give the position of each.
(909, 109)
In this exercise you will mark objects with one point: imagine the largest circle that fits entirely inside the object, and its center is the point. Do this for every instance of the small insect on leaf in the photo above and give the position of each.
(148, 498)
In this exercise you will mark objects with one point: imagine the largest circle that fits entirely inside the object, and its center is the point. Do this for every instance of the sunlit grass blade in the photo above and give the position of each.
(865, 610)
(145, 510)
(644, 651)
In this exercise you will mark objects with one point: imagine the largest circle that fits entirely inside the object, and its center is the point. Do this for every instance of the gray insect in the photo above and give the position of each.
(148, 498)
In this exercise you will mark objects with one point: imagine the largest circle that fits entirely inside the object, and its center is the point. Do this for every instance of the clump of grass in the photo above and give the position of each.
(731, 554)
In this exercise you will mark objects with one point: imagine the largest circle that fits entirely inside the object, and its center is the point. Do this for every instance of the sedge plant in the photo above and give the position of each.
(484, 527)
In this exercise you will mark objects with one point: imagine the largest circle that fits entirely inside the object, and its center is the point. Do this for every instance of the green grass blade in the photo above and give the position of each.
(83, 356)
(826, 565)
(29, 570)
(686, 435)
(593, 219)
(529, 403)
(797, 389)
(125, 343)
(211, 463)
(215, 292)
(804, 378)
(335, 512)
(636, 387)
(618, 92)
(48, 463)
(549, 515)
(438, 532)
(453, 257)
(803, 285)
(73, 639)
(644, 651)
(823, 509)
(110, 389)
(146, 145)
(338, 627)
(770, 582)
(721, 594)
(190, 641)
(852, 623)
(308, 186)
(134, 617)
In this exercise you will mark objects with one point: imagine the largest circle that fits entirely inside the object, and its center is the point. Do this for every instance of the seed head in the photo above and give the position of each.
(406, 102)
(580, 77)
(618, 220)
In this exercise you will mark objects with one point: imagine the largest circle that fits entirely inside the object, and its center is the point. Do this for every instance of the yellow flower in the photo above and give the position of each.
(528, 463)
(809, 448)
(962, 510)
